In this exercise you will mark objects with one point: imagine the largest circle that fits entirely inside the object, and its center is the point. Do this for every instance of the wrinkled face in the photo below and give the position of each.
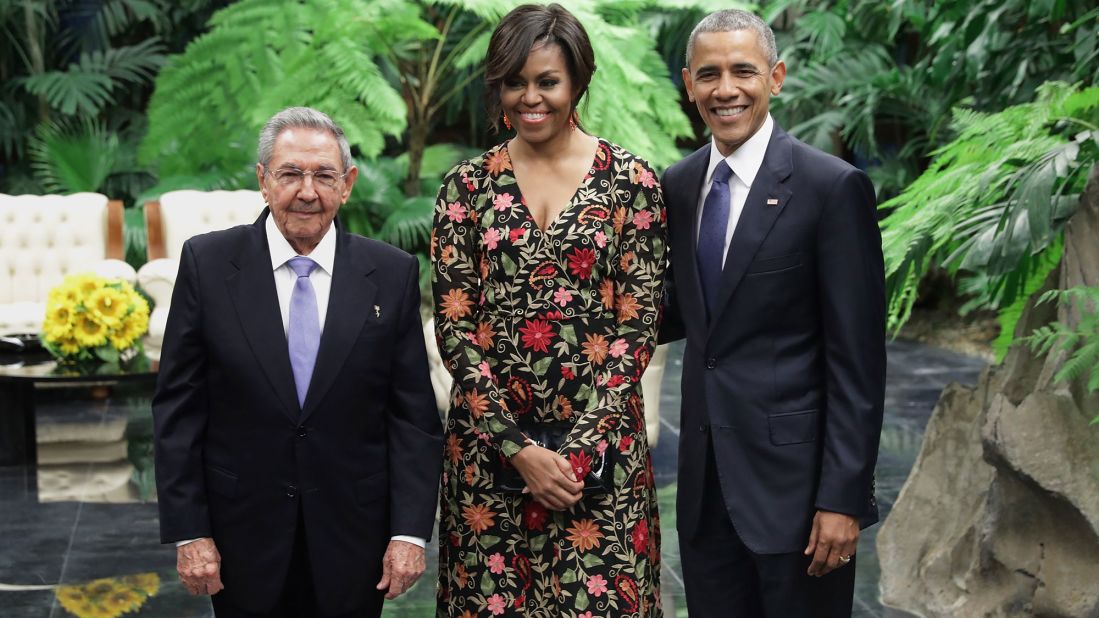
(538, 101)
(731, 83)
(302, 206)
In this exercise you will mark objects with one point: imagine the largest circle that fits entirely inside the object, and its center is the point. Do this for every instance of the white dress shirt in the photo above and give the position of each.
(281, 252)
(745, 162)
(324, 254)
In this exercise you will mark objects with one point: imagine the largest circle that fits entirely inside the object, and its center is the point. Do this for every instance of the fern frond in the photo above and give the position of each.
(1081, 340)
(996, 195)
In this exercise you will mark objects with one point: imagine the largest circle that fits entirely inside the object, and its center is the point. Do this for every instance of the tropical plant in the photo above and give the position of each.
(992, 205)
(1081, 342)
(879, 79)
(406, 71)
(77, 72)
(259, 57)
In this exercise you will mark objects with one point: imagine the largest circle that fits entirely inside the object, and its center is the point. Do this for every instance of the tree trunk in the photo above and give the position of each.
(34, 28)
(417, 143)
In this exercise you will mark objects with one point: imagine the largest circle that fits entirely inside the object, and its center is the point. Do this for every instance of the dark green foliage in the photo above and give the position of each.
(385, 68)
(994, 199)
(261, 56)
(75, 72)
(880, 78)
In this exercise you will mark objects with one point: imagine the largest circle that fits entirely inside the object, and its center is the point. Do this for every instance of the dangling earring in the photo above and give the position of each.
(574, 120)
(507, 123)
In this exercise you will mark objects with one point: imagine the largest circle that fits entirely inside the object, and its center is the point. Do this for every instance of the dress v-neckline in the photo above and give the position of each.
(568, 205)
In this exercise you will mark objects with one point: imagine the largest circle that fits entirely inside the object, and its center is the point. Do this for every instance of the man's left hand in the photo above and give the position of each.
(402, 565)
(832, 542)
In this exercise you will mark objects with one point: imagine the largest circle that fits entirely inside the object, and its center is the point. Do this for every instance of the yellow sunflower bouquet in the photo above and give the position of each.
(92, 318)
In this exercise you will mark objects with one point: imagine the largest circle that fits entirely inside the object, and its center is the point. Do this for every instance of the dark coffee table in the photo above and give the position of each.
(21, 373)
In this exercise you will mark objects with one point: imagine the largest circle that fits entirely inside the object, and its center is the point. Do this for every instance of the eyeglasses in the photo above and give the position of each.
(293, 177)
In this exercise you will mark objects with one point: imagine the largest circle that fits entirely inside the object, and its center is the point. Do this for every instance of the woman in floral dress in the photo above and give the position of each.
(548, 262)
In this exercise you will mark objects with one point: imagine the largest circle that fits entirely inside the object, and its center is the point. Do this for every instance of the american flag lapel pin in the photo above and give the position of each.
(377, 311)
(772, 201)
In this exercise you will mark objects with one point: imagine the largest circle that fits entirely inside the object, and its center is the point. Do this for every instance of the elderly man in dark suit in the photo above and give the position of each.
(298, 450)
(777, 284)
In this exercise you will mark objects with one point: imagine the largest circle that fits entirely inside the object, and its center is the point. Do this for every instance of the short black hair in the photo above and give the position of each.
(523, 29)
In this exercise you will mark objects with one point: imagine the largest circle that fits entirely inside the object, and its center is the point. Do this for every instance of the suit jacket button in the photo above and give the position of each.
(291, 491)
(301, 432)
(703, 428)
(711, 362)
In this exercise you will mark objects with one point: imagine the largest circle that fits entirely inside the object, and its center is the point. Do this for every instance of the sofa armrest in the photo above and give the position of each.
(115, 269)
(157, 278)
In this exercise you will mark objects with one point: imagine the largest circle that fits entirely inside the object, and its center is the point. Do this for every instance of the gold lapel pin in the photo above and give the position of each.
(377, 311)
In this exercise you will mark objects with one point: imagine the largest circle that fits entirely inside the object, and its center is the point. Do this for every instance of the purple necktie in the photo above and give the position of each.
(710, 251)
(304, 333)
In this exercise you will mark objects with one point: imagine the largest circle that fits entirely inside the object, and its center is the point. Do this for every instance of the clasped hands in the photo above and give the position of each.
(199, 567)
(549, 477)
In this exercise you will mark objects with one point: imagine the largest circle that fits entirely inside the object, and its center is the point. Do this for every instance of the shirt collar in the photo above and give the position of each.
(746, 160)
(281, 251)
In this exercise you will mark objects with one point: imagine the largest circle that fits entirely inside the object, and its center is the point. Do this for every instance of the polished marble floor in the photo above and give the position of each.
(78, 536)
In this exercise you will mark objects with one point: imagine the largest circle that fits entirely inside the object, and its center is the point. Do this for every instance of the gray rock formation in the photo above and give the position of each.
(1000, 514)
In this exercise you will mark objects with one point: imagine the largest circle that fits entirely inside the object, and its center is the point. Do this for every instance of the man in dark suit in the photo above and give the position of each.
(298, 450)
(777, 284)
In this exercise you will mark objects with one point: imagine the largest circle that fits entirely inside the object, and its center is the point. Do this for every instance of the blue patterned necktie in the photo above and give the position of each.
(710, 252)
(304, 333)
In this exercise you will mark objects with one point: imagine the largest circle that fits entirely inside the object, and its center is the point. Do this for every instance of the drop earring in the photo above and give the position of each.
(507, 123)
(574, 120)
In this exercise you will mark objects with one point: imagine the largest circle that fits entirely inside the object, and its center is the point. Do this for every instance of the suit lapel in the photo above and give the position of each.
(764, 204)
(351, 298)
(252, 289)
(694, 174)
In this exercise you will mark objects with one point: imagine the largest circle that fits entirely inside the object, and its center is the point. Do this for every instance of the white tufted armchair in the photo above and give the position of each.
(43, 238)
(178, 216)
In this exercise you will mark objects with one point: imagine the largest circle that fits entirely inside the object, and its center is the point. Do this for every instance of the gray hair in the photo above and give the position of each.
(731, 20)
(300, 118)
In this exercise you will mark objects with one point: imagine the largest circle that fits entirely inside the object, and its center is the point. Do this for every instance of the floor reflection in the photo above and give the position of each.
(87, 517)
(94, 450)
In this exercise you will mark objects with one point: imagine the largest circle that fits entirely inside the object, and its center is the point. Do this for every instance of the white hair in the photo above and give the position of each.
(300, 118)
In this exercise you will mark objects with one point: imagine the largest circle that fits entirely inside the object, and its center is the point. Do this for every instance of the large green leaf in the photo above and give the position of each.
(73, 159)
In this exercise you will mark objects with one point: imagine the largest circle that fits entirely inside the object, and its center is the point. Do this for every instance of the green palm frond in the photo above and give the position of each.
(88, 84)
(409, 226)
(108, 19)
(73, 158)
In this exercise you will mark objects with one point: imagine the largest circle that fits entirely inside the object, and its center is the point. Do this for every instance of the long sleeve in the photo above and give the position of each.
(459, 308)
(852, 301)
(180, 413)
(634, 293)
(415, 434)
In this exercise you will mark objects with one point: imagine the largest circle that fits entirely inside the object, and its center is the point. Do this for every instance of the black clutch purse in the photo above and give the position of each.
(600, 478)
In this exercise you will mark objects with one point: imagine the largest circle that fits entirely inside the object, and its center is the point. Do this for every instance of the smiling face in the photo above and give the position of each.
(303, 210)
(538, 101)
(732, 83)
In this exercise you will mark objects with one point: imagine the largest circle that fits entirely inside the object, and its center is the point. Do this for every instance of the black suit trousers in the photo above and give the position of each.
(298, 598)
(723, 578)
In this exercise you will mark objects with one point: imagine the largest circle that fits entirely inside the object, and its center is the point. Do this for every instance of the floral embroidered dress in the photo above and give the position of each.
(548, 327)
